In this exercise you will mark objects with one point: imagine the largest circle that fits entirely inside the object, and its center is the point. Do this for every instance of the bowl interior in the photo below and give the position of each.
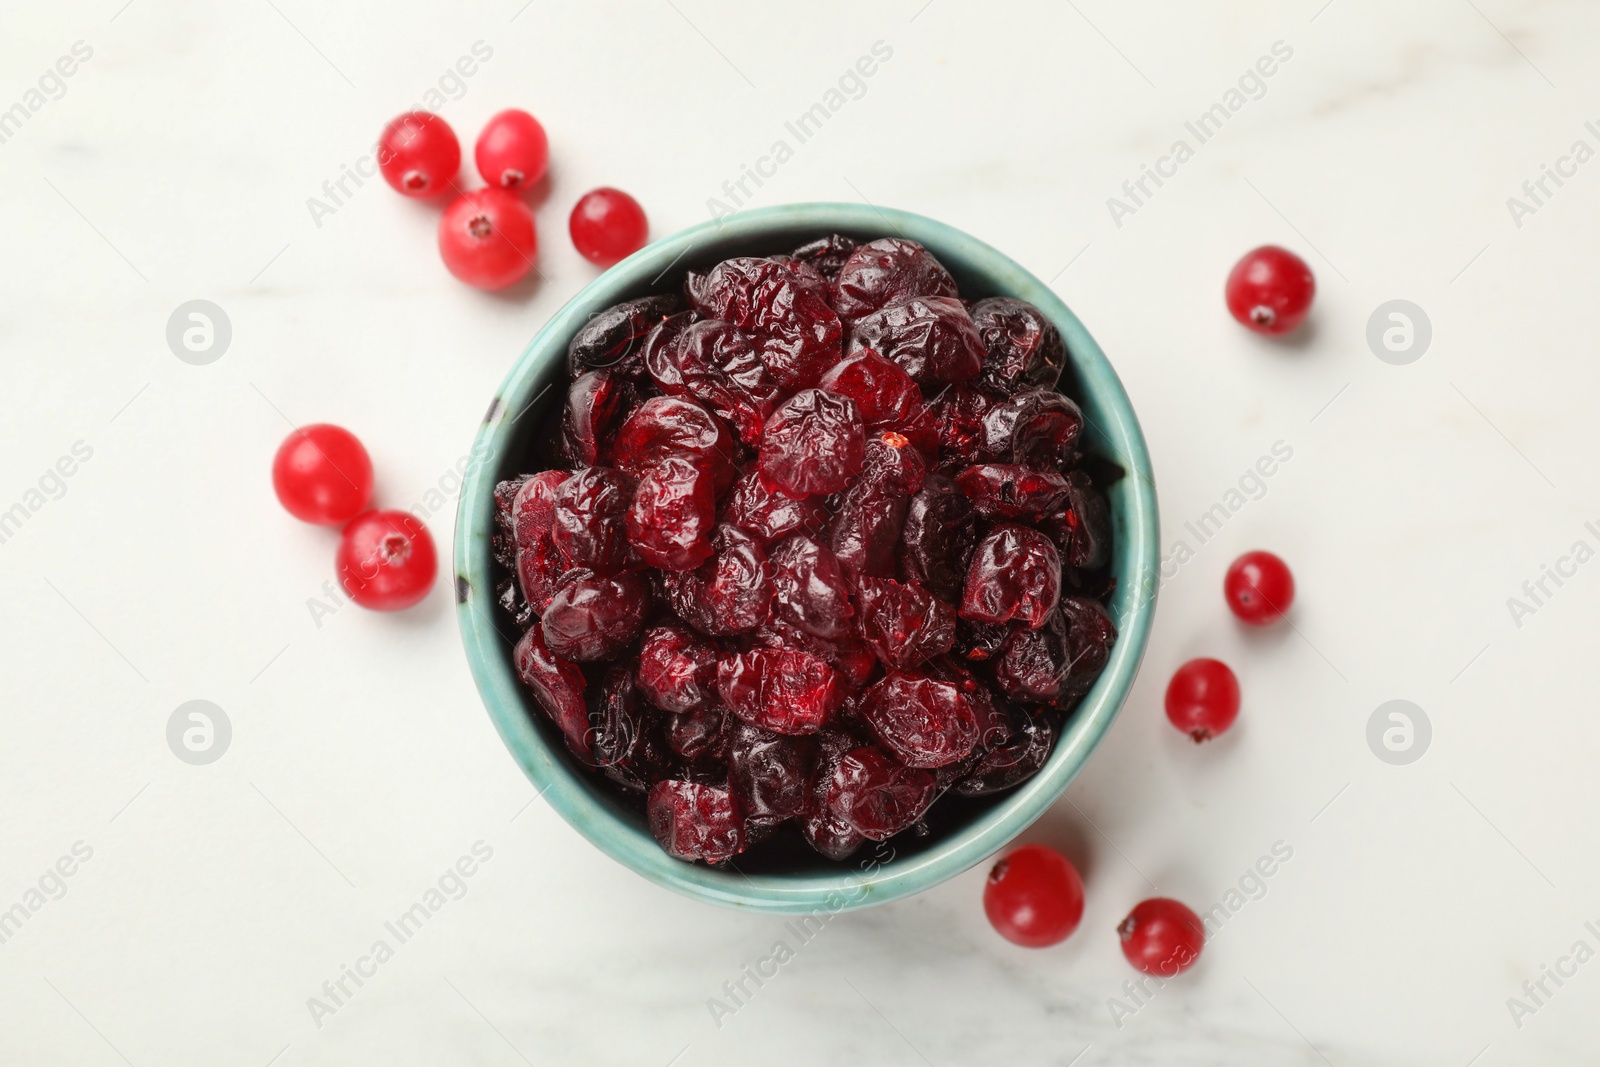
(779, 877)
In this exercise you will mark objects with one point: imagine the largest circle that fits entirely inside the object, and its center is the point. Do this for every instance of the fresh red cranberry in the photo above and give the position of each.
(1162, 937)
(881, 272)
(672, 515)
(779, 690)
(589, 519)
(1259, 588)
(1015, 576)
(809, 588)
(1270, 290)
(730, 593)
(594, 404)
(1203, 698)
(487, 239)
(930, 338)
(717, 365)
(512, 151)
(615, 337)
(322, 475)
(607, 225)
(876, 796)
(904, 623)
(419, 155)
(1008, 491)
(386, 560)
(813, 444)
(595, 618)
(1022, 348)
(769, 515)
(882, 391)
(769, 773)
(695, 822)
(1035, 428)
(941, 530)
(925, 722)
(559, 687)
(677, 668)
(666, 426)
(1034, 897)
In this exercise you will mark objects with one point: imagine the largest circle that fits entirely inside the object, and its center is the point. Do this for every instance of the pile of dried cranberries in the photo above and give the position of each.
(817, 549)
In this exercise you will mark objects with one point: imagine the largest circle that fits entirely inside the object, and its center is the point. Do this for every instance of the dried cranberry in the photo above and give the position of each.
(728, 594)
(717, 365)
(941, 530)
(509, 597)
(588, 519)
(904, 623)
(672, 514)
(930, 338)
(700, 735)
(595, 618)
(1036, 428)
(558, 686)
(503, 541)
(677, 668)
(1015, 576)
(1090, 634)
(959, 412)
(979, 642)
(807, 277)
(799, 334)
(852, 657)
(876, 796)
(768, 773)
(533, 508)
(925, 722)
(1014, 760)
(626, 742)
(615, 337)
(768, 515)
(884, 271)
(826, 254)
(866, 530)
(823, 830)
(1007, 491)
(892, 465)
(814, 443)
(1082, 527)
(885, 394)
(779, 690)
(695, 822)
(539, 570)
(1022, 348)
(665, 426)
(595, 402)
(1034, 664)
(809, 588)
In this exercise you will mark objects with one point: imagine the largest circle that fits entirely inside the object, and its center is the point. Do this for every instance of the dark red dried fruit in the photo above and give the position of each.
(769, 773)
(1014, 760)
(677, 668)
(666, 426)
(904, 623)
(594, 404)
(941, 530)
(626, 743)
(1022, 348)
(823, 830)
(1090, 634)
(798, 333)
(1033, 666)
(959, 411)
(866, 530)
(539, 571)
(588, 519)
(779, 690)
(809, 588)
(892, 465)
(925, 722)
(695, 822)
(615, 337)
(979, 642)
(714, 363)
(1015, 576)
(849, 655)
(768, 515)
(1082, 527)
(533, 508)
(699, 736)
(930, 338)
(826, 254)
(813, 444)
(558, 686)
(673, 511)
(595, 618)
(882, 391)
(1007, 491)
(884, 271)
(1036, 428)
(728, 594)
(876, 796)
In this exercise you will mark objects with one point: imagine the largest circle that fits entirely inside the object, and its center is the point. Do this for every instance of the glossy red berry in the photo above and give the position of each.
(322, 475)
(419, 155)
(1203, 698)
(1034, 897)
(1270, 290)
(487, 239)
(386, 560)
(607, 225)
(512, 151)
(1162, 937)
(1259, 588)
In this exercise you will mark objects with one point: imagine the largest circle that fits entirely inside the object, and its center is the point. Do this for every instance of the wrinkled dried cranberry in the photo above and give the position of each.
(533, 508)
(826, 254)
(1014, 760)
(884, 271)
(1015, 576)
(677, 668)
(779, 690)
(768, 773)
(700, 735)
(1082, 527)
(1036, 428)
(941, 530)
(930, 338)
(558, 686)
(695, 822)
(595, 618)
(809, 588)
(1034, 664)
(728, 594)
(714, 363)
(925, 722)
(885, 394)
(823, 830)
(876, 796)
(588, 519)
(502, 542)
(807, 277)
(768, 515)
(1090, 634)
(1022, 348)
(627, 744)
(852, 657)
(666, 426)
(615, 337)
(539, 571)
(799, 334)
(959, 411)
(892, 465)
(1007, 491)
(979, 642)
(813, 444)
(594, 404)
(672, 514)
(866, 529)
(904, 623)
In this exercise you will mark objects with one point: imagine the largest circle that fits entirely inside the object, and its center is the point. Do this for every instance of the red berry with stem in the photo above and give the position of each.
(322, 475)
(607, 225)
(512, 151)
(386, 560)
(1259, 588)
(1270, 290)
(1162, 937)
(1034, 897)
(487, 239)
(1203, 698)
(419, 155)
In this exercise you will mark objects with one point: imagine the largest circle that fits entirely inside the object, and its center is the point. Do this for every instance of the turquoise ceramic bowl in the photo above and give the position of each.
(531, 395)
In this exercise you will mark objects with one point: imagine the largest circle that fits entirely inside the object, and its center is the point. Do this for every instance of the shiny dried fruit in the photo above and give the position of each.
(769, 773)
(716, 364)
(813, 444)
(849, 655)
(768, 515)
(930, 338)
(594, 404)
(904, 623)
(1081, 528)
(1090, 634)
(615, 337)
(809, 588)
(1015, 576)
(798, 334)
(595, 618)
(588, 519)
(779, 690)
(695, 822)
(892, 465)
(826, 254)
(673, 511)
(728, 594)
(533, 508)
(866, 529)
(959, 412)
(882, 391)
(876, 796)
(626, 742)
(677, 668)
(666, 426)
(925, 722)
(1022, 348)
(941, 530)
(1035, 428)
(1013, 761)
(822, 828)
(699, 736)
(1007, 491)
(884, 271)
(558, 686)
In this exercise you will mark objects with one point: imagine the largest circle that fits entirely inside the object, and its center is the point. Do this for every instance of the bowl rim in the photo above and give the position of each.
(874, 881)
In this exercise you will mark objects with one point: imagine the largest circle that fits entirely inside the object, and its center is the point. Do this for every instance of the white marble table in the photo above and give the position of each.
(208, 904)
